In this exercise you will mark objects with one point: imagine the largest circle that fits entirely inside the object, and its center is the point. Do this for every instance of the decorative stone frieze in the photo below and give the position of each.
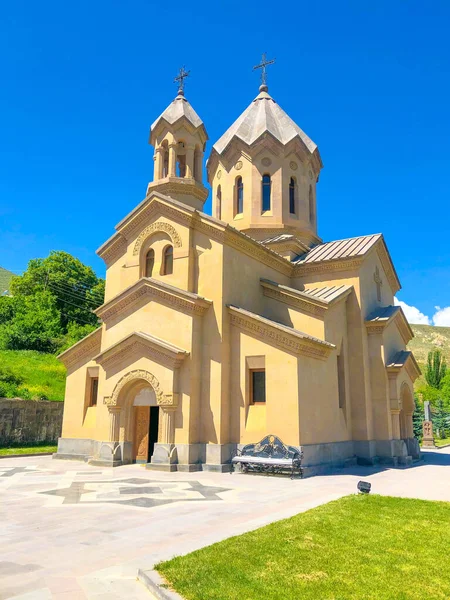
(154, 228)
(138, 375)
(86, 348)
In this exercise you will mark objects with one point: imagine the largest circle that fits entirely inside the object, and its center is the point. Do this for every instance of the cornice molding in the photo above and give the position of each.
(158, 226)
(410, 365)
(377, 327)
(388, 267)
(301, 302)
(186, 302)
(143, 345)
(327, 266)
(278, 335)
(113, 249)
(87, 347)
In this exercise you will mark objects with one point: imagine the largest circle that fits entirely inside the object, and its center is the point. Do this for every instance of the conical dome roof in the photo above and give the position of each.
(178, 109)
(263, 115)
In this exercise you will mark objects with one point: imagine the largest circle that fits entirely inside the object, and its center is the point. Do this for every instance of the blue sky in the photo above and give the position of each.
(368, 82)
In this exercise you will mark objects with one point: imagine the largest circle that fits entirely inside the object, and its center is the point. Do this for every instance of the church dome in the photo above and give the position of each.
(177, 110)
(264, 115)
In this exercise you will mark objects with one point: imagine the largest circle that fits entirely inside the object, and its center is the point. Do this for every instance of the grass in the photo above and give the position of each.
(358, 547)
(12, 451)
(442, 442)
(43, 376)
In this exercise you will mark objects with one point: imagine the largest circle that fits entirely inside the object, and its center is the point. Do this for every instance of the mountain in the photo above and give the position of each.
(429, 337)
(5, 278)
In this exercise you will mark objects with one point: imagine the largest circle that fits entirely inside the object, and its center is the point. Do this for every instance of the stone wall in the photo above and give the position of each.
(27, 421)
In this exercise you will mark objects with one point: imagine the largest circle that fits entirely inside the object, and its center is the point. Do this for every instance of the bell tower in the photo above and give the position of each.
(263, 172)
(179, 139)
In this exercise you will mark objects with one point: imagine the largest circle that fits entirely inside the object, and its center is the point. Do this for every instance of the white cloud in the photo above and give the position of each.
(441, 317)
(414, 316)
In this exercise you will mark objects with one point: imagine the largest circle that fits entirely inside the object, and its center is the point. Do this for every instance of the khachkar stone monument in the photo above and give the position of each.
(428, 439)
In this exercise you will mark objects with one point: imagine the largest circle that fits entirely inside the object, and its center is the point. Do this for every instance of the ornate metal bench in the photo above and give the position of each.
(269, 455)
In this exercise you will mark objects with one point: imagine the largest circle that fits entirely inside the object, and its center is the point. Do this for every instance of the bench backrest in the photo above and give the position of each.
(271, 447)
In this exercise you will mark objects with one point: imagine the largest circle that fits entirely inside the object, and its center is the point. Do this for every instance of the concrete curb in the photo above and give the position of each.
(155, 584)
(25, 455)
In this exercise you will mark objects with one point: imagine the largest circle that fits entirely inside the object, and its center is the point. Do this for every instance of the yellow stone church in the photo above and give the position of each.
(218, 330)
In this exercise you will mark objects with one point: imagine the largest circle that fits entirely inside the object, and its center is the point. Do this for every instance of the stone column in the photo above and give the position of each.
(157, 171)
(168, 428)
(409, 425)
(190, 162)
(395, 418)
(172, 160)
(199, 166)
(114, 423)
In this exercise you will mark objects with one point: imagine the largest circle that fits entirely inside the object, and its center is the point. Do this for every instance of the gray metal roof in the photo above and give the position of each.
(263, 115)
(282, 237)
(349, 248)
(177, 109)
(384, 313)
(327, 293)
(400, 359)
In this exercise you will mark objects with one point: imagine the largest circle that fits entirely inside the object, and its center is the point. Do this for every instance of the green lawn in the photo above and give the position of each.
(356, 548)
(42, 375)
(26, 450)
(442, 442)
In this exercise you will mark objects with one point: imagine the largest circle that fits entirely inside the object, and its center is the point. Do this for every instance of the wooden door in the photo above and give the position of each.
(141, 430)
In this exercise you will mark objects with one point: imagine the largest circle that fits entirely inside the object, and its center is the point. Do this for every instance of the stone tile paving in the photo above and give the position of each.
(69, 531)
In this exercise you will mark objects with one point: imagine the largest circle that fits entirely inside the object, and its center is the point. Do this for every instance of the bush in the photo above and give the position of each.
(7, 376)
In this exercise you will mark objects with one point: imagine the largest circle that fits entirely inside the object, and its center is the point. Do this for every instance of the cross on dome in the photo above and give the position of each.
(263, 64)
(180, 80)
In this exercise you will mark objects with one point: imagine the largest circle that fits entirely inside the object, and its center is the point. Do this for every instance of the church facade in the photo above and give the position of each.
(219, 330)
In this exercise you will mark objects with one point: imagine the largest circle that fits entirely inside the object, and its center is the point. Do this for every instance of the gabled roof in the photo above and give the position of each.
(84, 349)
(264, 115)
(277, 334)
(285, 240)
(158, 349)
(404, 358)
(349, 248)
(315, 301)
(381, 317)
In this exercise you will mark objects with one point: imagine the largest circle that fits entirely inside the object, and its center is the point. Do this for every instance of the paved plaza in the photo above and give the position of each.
(69, 531)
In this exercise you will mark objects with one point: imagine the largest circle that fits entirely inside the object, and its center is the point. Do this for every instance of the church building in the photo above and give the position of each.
(219, 330)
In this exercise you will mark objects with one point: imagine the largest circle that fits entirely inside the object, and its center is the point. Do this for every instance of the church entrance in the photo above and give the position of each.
(146, 426)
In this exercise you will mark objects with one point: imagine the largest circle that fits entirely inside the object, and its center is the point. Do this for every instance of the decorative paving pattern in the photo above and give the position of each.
(138, 492)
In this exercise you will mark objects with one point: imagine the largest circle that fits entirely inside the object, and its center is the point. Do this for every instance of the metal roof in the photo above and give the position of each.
(384, 313)
(349, 248)
(400, 359)
(327, 293)
(263, 115)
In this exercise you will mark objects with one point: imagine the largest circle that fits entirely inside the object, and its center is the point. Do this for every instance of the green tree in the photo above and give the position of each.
(436, 369)
(75, 287)
(418, 418)
(440, 419)
(35, 324)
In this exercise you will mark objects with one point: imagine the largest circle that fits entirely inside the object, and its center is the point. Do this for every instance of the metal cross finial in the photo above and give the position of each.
(180, 79)
(262, 66)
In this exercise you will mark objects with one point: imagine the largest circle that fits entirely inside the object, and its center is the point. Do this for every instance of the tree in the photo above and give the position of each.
(440, 419)
(76, 288)
(418, 419)
(436, 369)
(34, 326)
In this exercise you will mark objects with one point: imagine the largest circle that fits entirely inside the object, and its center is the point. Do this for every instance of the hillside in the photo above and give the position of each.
(428, 337)
(5, 278)
(41, 375)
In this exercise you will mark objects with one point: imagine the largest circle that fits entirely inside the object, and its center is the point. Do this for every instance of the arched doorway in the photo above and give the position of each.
(145, 424)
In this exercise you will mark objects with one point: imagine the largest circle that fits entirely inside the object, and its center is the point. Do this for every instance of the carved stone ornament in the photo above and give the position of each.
(136, 375)
(266, 161)
(154, 228)
(219, 174)
(293, 165)
(168, 400)
(310, 174)
(238, 165)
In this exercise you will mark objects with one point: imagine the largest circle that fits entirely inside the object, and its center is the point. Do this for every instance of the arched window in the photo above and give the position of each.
(149, 262)
(167, 261)
(181, 165)
(312, 215)
(266, 191)
(292, 195)
(219, 202)
(165, 161)
(239, 196)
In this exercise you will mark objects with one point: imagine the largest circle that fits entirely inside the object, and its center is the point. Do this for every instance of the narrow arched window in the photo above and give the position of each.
(149, 262)
(292, 196)
(239, 195)
(219, 202)
(312, 215)
(266, 192)
(167, 261)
